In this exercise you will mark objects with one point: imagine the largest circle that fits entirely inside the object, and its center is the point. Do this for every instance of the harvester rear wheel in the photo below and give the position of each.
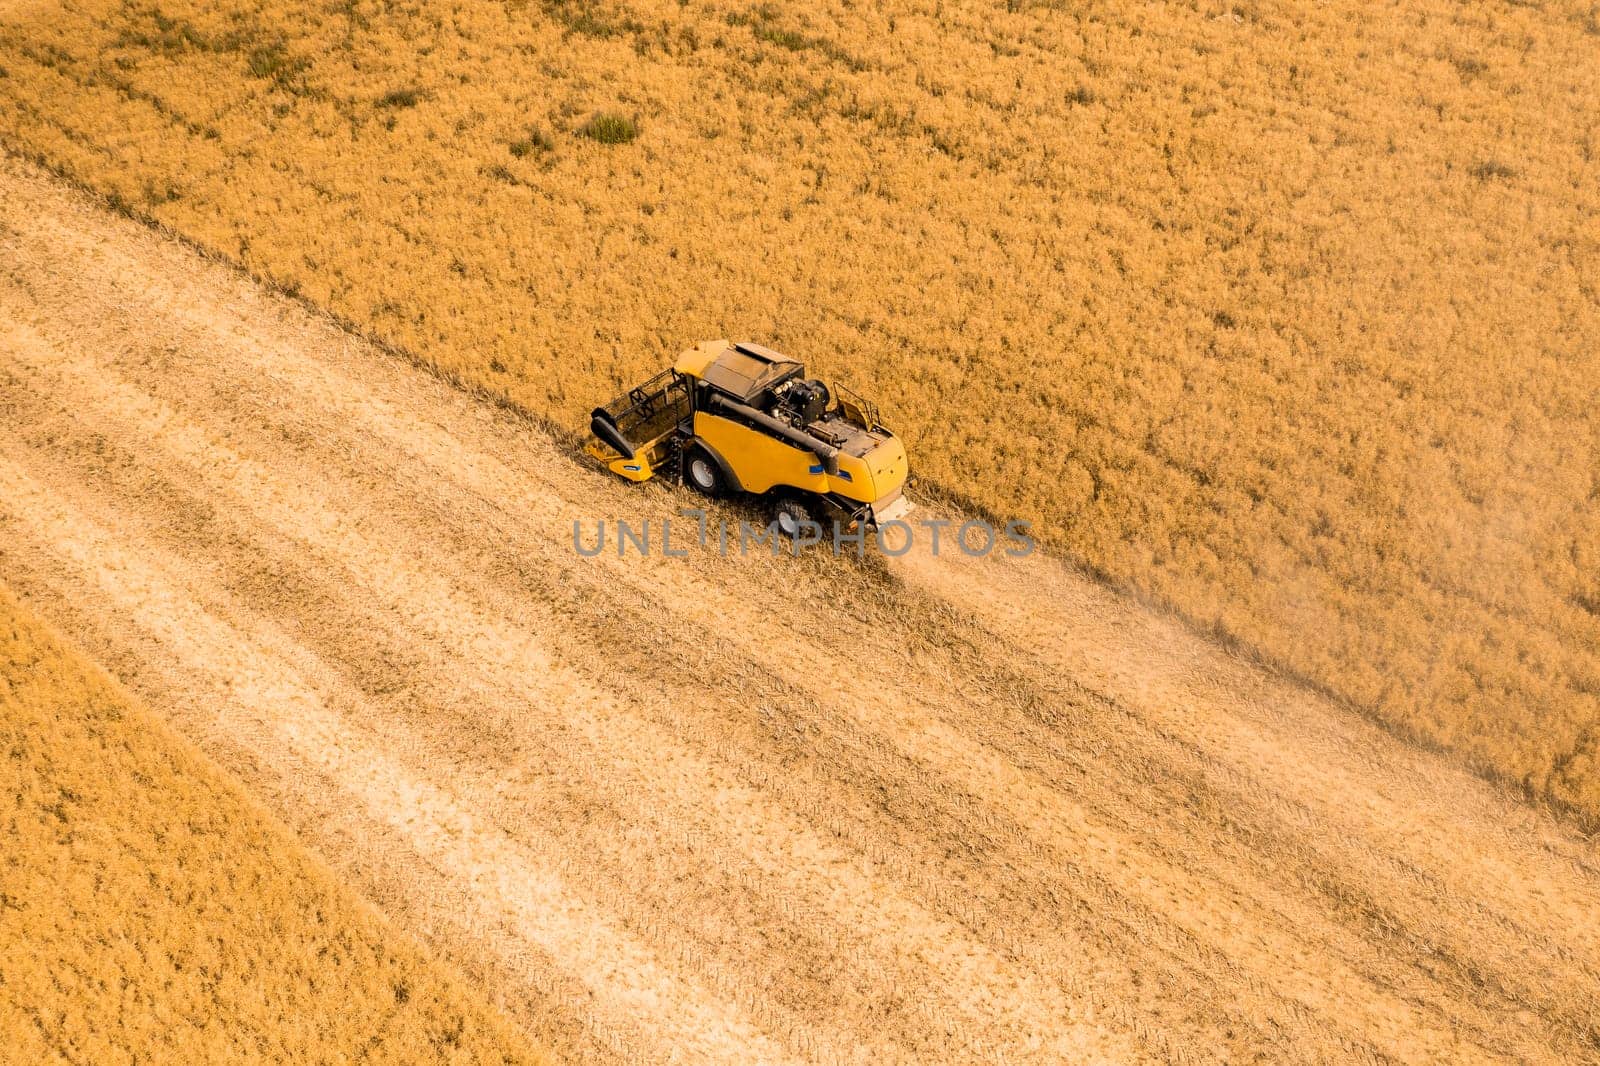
(791, 513)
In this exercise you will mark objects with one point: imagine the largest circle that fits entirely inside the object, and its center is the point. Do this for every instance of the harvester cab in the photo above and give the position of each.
(741, 418)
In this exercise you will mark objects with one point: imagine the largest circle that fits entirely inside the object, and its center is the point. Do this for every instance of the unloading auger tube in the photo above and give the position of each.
(827, 453)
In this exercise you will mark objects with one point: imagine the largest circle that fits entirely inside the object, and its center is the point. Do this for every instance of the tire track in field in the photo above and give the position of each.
(90, 392)
(364, 622)
(506, 655)
(286, 717)
(1289, 1017)
(924, 810)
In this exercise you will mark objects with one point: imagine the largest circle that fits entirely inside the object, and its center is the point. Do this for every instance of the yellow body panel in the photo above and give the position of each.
(635, 469)
(762, 462)
(758, 460)
(889, 468)
(694, 361)
(854, 480)
(639, 468)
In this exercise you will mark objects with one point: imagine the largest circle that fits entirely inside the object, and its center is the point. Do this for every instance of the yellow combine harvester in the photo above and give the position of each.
(730, 418)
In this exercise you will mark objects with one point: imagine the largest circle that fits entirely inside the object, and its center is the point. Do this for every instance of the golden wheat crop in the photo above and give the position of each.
(150, 912)
(1285, 315)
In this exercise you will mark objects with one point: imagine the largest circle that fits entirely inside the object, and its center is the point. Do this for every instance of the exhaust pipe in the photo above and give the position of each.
(602, 426)
(798, 437)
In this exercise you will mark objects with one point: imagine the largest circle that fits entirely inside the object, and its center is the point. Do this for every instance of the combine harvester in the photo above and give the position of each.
(740, 418)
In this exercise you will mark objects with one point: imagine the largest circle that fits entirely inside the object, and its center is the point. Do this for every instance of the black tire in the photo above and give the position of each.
(790, 513)
(703, 473)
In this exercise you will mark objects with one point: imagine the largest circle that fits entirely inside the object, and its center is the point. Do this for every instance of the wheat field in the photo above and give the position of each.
(1284, 316)
(150, 911)
(724, 809)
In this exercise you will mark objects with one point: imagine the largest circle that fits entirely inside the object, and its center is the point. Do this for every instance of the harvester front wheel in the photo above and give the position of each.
(702, 472)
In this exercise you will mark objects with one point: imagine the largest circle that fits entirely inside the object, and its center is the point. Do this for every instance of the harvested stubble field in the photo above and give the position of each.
(731, 810)
(1284, 315)
(151, 912)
